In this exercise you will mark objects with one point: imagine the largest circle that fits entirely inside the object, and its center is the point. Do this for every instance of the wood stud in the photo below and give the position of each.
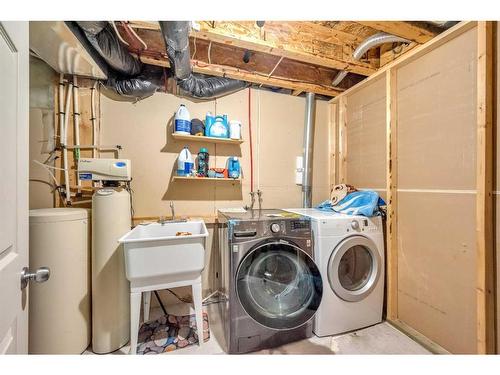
(485, 289)
(391, 181)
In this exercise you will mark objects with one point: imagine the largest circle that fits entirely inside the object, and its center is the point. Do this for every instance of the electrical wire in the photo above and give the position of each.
(118, 34)
(135, 35)
(250, 136)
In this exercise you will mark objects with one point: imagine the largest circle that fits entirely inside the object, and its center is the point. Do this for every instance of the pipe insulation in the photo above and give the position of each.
(308, 150)
(176, 37)
(369, 43)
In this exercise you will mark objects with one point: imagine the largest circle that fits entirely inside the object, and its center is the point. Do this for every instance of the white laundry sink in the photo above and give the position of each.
(154, 254)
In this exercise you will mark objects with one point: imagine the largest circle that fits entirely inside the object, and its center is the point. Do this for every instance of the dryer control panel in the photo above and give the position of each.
(352, 224)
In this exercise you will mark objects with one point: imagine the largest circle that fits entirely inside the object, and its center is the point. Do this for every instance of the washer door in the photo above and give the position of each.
(279, 285)
(354, 268)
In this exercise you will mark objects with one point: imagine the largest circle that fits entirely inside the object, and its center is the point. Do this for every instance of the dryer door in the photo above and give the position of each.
(279, 285)
(354, 268)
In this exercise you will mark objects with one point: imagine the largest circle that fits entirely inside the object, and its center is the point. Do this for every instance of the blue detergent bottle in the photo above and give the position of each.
(233, 167)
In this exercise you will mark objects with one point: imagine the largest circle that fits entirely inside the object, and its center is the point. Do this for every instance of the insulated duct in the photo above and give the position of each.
(308, 150)
(368, 43)
(176, 37)
(128, 79)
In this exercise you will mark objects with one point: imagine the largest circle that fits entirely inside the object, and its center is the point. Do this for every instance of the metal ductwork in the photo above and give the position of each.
(308, 150)
(176, 37)
(443, 24)
(367, 44)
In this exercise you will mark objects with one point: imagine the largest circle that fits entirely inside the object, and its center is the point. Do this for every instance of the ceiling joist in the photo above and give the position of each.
(253, 77)
(407, 30)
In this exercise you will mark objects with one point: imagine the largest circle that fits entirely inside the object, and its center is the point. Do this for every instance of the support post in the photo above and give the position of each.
(342, 125)
(391, 181)
(484, 184)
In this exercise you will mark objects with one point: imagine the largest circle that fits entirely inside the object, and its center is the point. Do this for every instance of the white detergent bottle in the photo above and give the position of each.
(182, 123)
(185, 163)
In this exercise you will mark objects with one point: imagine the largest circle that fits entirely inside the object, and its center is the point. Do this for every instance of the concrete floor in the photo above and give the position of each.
(378, 339)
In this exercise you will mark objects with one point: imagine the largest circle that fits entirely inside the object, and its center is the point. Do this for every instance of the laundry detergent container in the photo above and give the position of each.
(59, 309)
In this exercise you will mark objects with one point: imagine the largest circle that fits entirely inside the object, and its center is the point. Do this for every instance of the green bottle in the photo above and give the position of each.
(203, 162)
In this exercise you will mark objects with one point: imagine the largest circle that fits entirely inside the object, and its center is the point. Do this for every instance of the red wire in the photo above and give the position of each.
(250, 136)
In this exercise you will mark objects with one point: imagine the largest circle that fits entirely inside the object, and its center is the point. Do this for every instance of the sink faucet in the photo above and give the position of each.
(172, 209)
(162, 220)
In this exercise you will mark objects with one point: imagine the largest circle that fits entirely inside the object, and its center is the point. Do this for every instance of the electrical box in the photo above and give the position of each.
(104, 169)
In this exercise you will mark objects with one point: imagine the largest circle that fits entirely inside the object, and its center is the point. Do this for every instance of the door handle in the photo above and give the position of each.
(41, 275)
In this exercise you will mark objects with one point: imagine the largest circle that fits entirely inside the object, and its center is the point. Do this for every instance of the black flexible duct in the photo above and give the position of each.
(176, 37)
(127, 76)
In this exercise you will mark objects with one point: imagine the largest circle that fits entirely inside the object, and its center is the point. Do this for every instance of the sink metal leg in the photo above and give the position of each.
(135, 312)
(146, 305)
(198, 309)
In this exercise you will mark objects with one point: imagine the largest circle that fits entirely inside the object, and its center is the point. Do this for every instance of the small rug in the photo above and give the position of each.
(170, 332)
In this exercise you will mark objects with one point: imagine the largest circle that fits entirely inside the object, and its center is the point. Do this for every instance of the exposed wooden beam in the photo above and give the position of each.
(342, 142)
(253, 77)
(484, 197)
(279, 41)
(297, 92)
(389, 54)
(406, 30)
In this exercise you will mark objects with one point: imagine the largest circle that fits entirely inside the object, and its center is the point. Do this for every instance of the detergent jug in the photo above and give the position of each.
(184, 162)
(209, 120)
(182, 123)
(219, 128)
(233, 167)
(234, 129)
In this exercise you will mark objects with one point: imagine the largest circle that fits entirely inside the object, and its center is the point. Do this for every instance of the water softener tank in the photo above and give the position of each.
(111, 219)
(59, 309)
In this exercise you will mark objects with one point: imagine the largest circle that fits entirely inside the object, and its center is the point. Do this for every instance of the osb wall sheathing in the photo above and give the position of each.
(436, 148)
(366, 137)
(144, 131)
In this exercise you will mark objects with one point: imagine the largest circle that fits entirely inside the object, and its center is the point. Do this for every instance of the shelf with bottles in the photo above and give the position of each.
(203, 138)
(193, 178)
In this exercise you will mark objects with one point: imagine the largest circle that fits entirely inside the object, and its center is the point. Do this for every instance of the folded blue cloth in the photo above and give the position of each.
(364, 203)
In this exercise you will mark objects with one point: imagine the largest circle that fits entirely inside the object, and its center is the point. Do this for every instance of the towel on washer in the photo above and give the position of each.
(364, 203)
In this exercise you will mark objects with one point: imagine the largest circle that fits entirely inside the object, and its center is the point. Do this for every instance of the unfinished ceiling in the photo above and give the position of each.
(296, 56)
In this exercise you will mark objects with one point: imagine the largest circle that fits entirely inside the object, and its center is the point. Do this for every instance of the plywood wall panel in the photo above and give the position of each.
(436, 149)
(437, 118)
(437, 267)
(366, 141)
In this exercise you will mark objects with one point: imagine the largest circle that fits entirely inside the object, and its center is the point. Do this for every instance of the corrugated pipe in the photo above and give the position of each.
(308, 150)
(369, 43)
(176, 37)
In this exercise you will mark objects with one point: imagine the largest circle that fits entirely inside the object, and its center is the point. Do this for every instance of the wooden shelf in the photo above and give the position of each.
(198, 138)
(179, 178)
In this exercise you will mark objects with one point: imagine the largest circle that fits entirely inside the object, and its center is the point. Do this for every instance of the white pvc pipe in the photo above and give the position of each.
(64, 142)
(76, 127)
(93, 119)
(62, 134)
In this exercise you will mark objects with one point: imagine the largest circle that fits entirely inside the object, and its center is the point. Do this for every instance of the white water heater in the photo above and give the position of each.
(111, 219)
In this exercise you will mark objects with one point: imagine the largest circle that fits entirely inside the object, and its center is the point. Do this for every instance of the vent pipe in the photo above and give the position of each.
(367, 44)
(308, 150)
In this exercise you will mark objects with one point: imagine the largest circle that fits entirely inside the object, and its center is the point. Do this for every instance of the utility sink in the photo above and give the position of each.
(155, 254)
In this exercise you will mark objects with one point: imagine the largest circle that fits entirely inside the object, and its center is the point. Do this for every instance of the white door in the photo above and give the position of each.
(14, 107)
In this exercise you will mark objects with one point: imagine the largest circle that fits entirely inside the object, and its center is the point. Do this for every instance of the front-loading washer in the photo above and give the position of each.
(272, 286)
(349, 251)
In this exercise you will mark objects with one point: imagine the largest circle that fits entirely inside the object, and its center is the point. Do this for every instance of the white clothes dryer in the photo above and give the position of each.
(349, 251)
